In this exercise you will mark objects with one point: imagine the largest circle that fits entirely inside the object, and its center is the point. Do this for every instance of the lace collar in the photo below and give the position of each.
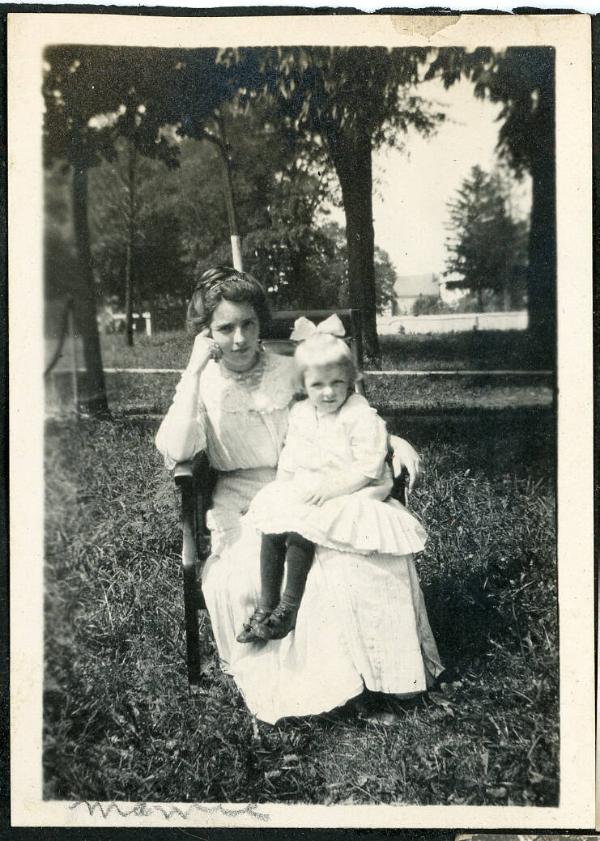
(249, 379)
(265, 388)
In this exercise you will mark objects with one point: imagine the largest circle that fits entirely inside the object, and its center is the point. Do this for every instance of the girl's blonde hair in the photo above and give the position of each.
(324, 349)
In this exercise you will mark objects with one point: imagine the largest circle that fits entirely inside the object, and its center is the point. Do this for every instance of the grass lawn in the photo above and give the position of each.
(120, 723)
(140, 393)
(480, 349)
(152, 393)
(490, 349)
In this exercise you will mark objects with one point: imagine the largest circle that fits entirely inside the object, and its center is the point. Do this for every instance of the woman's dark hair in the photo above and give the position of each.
(222, 283)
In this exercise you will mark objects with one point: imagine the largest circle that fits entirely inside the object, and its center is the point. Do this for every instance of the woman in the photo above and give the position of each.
(363, 621)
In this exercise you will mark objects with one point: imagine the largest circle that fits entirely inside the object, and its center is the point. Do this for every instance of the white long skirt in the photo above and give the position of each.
(362, 623)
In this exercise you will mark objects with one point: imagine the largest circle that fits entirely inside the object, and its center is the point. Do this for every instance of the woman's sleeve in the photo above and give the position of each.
(405, 456)
(182, 433)
(368, 442)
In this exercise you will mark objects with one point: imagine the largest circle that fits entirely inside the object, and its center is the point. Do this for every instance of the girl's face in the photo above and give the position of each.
(235, 328)
(327, 386)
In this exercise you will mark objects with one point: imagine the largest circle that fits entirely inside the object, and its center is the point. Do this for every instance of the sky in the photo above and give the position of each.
(413, 186)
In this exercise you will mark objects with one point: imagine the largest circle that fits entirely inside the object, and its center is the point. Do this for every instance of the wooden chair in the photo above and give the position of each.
(196, 480)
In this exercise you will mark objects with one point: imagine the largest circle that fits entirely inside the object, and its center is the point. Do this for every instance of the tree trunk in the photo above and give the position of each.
(234, 233)
(541, 274)
(480, 297)
(129, 281)
(94, 399)
(352, 161)
(303, 289)
(129, 297)
(507, 293)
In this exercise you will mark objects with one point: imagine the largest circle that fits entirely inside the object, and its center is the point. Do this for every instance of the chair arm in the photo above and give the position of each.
(196, 480)
(184, 479)
(182, 471)
(187, 478)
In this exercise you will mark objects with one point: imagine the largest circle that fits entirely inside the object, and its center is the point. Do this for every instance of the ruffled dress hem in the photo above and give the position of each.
(354, 522)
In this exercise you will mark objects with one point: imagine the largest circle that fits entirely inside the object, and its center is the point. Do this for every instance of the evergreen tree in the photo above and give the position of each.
(486, 245)
(522, 79)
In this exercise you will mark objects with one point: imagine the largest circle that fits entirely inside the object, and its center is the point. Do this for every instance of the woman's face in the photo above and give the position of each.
(235, 328)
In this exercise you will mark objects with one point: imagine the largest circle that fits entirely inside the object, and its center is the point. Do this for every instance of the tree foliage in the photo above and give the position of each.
(157, 237)
(522, 79)
(325, 108)
(334, 95)
(93, 96)
(430, 305)
(486, 246)
(181, 224)
(341, 103)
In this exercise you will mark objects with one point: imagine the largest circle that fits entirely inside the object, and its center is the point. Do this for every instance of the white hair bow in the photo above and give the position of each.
(304, 327)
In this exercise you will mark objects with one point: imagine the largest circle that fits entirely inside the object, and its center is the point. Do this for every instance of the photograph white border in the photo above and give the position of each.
(28, 34)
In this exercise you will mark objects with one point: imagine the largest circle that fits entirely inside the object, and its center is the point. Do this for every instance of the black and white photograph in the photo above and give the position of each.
(309, 403)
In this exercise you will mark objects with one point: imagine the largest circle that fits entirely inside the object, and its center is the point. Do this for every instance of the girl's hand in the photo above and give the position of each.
(317, 497)
(284, 475)
(324, 490)
(204, 350)
(333, 485)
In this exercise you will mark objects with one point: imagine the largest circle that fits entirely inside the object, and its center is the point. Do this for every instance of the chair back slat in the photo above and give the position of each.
(277, 336)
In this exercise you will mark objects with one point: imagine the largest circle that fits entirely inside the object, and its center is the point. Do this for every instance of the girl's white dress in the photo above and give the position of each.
(320, 446)
(362, 621)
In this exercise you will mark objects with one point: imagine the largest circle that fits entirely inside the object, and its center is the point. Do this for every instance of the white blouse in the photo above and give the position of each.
(241, 420)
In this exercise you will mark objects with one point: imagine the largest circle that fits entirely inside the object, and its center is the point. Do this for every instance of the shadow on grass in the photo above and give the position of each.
(516, 441)
(470, 349)
(487, 496)
(119, 723)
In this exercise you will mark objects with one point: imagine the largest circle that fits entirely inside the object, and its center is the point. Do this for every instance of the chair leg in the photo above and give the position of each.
(191, 595)
(192, 631)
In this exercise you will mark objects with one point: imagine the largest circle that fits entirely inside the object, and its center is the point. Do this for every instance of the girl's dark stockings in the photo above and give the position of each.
(292, 552)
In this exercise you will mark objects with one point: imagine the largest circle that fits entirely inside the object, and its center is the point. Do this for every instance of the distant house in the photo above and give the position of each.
(408, 288)
(453, 295)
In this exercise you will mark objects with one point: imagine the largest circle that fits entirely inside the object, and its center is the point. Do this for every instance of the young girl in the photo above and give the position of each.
(332, 482)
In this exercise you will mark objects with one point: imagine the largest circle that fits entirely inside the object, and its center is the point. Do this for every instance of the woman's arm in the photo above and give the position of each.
(290, 456)
(182, 434)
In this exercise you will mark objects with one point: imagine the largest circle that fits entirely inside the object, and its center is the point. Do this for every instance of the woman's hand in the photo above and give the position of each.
(406, 456)
(204, 350)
